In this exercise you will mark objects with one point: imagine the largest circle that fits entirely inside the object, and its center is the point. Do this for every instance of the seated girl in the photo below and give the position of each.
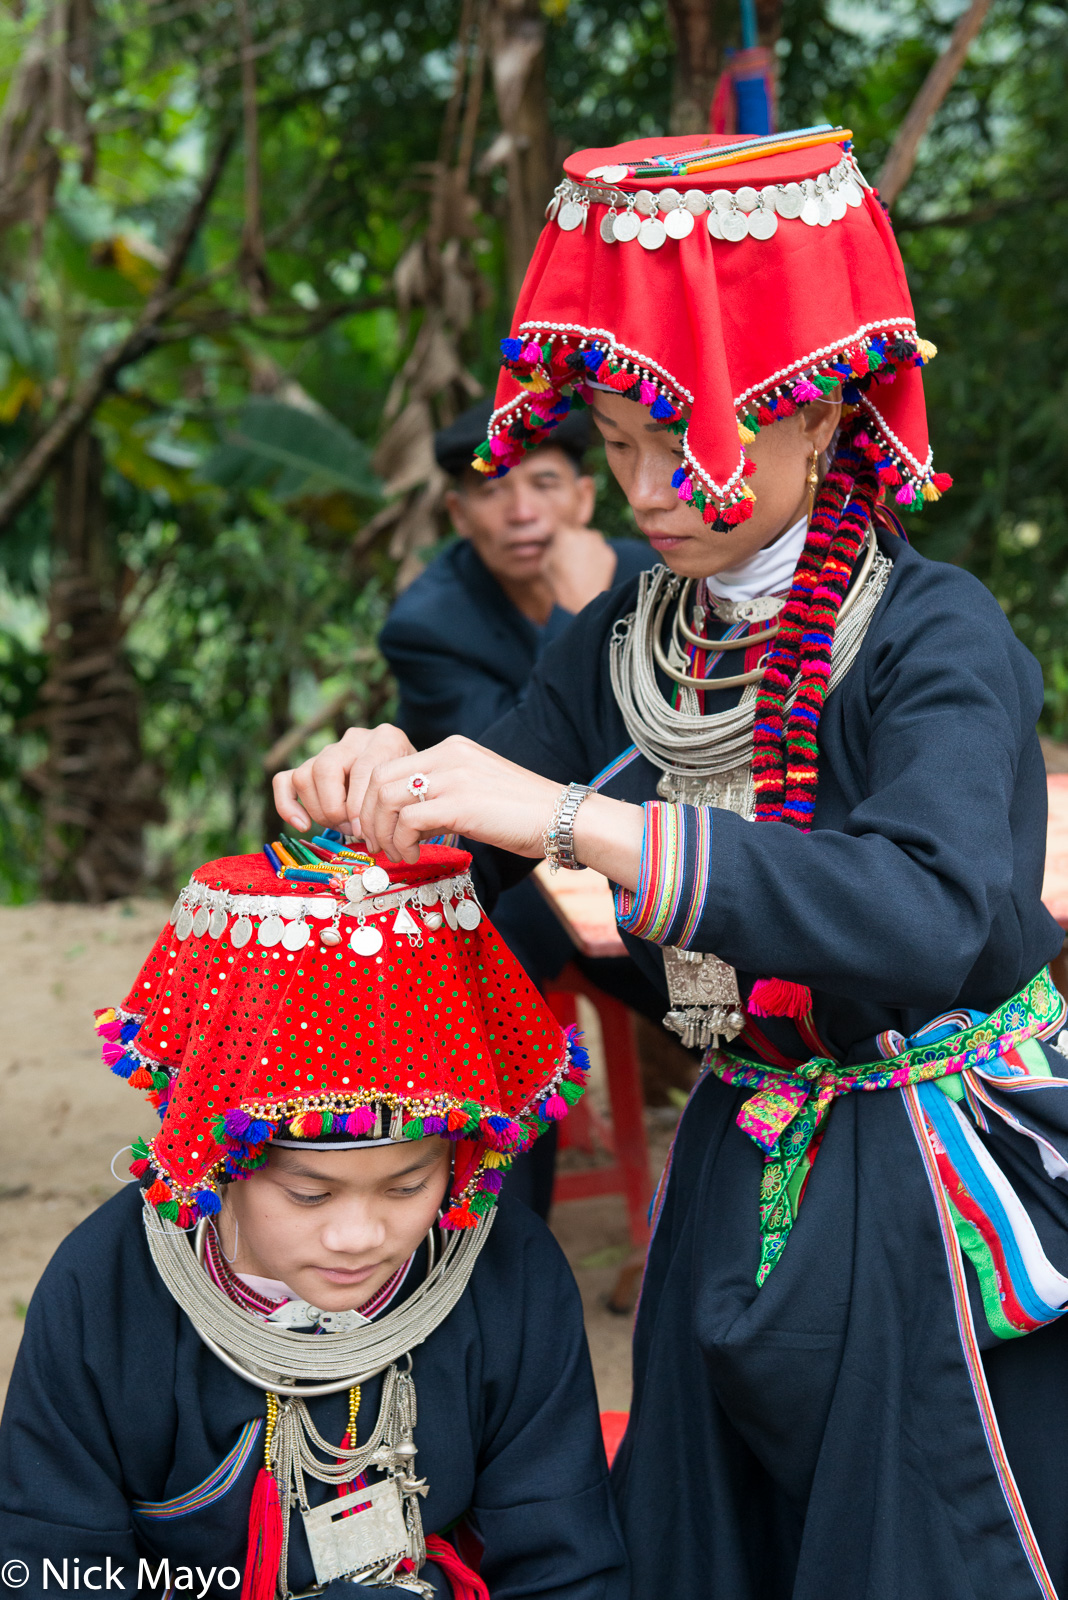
(217, 1383)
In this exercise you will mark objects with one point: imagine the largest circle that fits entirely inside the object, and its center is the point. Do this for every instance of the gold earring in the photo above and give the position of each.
(813, 480)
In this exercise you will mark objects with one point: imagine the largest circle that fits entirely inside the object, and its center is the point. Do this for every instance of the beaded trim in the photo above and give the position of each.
(557, 361)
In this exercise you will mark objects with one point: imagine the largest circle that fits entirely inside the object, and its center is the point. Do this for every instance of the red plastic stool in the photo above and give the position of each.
(628, 1173)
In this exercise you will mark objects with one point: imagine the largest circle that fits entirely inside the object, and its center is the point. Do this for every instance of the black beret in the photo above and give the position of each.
(455, 445)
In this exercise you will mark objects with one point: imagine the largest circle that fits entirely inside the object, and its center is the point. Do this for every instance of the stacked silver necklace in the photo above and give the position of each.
(707, 760)
(369, 1547)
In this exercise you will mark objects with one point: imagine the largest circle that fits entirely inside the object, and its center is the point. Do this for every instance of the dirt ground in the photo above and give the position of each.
(64, 1117)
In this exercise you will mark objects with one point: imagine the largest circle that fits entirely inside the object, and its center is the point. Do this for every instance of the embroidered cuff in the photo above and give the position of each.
(667, 905)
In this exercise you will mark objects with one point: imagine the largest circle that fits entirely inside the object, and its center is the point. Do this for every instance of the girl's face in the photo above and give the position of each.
(334, 1226)
(644, 454)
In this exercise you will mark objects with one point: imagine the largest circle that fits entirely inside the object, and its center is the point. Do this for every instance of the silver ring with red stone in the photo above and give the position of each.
(419, 785)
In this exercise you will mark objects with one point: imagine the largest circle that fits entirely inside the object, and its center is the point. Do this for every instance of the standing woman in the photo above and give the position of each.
(807, 758)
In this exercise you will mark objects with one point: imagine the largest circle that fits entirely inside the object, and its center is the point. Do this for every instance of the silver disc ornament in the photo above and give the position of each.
(217, 922)
(763, 224)
(271, 930)
(569, 217)
(652, 233)
(241, 933)
(789, 200)
(715, 223)
(853, 195)
(608, 227)
(810, 211)
(468, 915)
(735, 226)
(375, 880)
(183, 927)
(613, 174)
(679, 223)
(366, 941)
(747, 199)
(626, 227)
(175, 909)
(296, 935)
(201, 918)
(695, 201)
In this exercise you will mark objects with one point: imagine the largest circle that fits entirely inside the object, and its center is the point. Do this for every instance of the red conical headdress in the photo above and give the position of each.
(391, 1008)
(722, 291)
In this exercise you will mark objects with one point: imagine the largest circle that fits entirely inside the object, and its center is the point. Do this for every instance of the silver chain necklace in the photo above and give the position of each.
(364, 1547)
(682, 741)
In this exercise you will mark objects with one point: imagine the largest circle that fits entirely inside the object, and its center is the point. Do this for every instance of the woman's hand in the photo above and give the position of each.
(328, 789)
(360, 785)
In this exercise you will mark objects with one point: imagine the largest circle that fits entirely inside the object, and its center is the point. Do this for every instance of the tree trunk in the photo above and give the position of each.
(98, 790)
(703, 29)
(517, 56)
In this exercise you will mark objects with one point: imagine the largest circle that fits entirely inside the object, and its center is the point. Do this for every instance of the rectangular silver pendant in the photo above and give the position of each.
(373, 1535)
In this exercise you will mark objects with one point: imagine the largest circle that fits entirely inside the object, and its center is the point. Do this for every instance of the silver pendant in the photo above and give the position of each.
(838, 205)
(175, 909)
(201, 918)
(810, 211)
(404, 922)
(323, 907)
(789, 200)
(569, 217)
(715, 223)
(375, 880)
(366, 941)
(354, 889)
(652, 233)
(359, 1534)
(735, 226)
(217, 922)
(695, 201)
(763, 224)
(826, 213)
(747, 199)
(330, 937)
(613, 174)
(241, 933)
(450, 914)
(271, 930)
(608, 227)
(184, 925)
(679, 223)
(626, 227)
(296, 935)
(468, 915)
(854, 196)
(433, 920)
(645, 202)
(427, 894)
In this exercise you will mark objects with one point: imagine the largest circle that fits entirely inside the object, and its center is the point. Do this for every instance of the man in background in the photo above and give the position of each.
(464, 638)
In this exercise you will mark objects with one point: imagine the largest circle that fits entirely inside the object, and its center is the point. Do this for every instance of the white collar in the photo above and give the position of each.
(770, 571)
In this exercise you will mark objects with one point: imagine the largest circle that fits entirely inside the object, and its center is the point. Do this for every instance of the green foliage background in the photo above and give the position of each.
(238, 453)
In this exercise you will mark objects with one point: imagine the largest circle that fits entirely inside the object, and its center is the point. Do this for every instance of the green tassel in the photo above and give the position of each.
(827, 385)
(875, 361)
(328, 1121)
(699, 499)
(481, 1202)
(141, 1151)
(483, 450)
(218, 1130)
(169, 1209)
(572, 1092)
(413, 1129)
(160, 1080)
(751, 422)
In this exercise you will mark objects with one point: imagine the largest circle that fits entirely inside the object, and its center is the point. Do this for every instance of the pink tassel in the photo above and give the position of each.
(686, 489)
(777, 997)
(805, 391)
(109, 1030)
(361, 1120)
(112, 1053)
(649, 392)
(463, 1580)
(498, 446)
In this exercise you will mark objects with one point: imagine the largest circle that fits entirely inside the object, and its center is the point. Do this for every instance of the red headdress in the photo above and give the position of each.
(383, 1006)
(723, 286)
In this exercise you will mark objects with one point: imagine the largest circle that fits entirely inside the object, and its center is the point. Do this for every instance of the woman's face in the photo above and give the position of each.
(644, 455)
(334, 1226)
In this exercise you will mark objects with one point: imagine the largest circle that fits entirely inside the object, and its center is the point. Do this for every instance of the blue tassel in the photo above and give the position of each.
(593, 358)
(511, 349)
(124, 1066)
(130, 1031)
(661, 409)
(258, 1132)
(850, 394)
(208, 1201)
(678, 477)
(561, 408)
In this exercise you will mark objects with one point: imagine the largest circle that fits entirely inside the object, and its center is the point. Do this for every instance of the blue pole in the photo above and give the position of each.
(749, 23)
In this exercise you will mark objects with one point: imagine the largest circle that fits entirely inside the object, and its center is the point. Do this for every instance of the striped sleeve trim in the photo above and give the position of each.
(667, 905)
